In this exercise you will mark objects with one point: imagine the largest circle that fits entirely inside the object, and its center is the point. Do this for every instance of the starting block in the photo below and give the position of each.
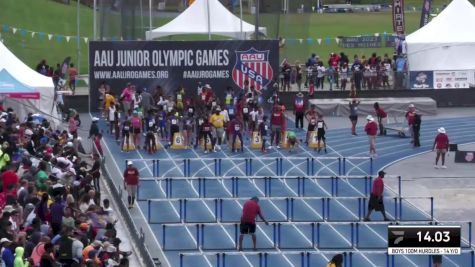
(209, 143)
(237, 145)
(313, 141)
(256, 142)
(178, 141)
(131, 146)
(284, 142)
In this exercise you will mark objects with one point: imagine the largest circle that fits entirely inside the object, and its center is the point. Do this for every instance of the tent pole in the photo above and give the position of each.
(257, 20)
(150, 15)
(209, 20)
(94, 17)
(78, 39)
(240, 7)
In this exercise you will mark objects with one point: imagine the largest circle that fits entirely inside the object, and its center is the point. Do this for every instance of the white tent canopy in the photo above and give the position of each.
(24, 74)
(205, 17)
(445, 43)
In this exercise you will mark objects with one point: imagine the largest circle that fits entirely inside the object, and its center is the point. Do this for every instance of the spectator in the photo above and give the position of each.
(299, 110)
(126, 98)
(441, 144)
(400, 72)
(357, 69)
(131, 181)
(411, 112)
(416, 128)
(72, 72)
(8, 257)
(371, 130)
(353, 105)
(381, 115)
(250, 211)
(376, 198)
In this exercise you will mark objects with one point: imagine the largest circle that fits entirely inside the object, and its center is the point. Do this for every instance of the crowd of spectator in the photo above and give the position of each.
(52, 213)
(338, 71)
(60, 74)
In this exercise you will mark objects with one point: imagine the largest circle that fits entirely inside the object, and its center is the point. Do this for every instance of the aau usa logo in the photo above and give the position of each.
(252, 66)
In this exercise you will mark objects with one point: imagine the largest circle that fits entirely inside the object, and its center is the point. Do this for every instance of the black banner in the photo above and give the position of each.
(148, 64)
(398, 16)
(400, 236)
(425, 13)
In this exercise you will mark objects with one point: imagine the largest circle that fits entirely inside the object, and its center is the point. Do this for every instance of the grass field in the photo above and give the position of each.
(51, 17)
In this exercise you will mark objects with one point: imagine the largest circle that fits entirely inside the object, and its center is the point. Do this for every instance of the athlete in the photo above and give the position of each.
(299, 110)
(311, 116)
(292, 140)
(321, 127)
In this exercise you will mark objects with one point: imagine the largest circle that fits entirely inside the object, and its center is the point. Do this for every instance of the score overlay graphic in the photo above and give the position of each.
(424, 240)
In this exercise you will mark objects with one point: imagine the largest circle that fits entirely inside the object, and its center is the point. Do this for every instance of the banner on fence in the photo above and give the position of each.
(421, 79)
(398, 16)
(453, 79)
(170, 64)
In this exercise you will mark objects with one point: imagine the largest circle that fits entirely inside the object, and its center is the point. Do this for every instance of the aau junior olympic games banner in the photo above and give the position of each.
(171, 64)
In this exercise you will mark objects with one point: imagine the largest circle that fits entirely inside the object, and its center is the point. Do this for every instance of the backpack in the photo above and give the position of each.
(65, 248)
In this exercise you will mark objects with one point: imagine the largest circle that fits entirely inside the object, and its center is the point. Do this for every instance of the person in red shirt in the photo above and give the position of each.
(10, 180)
(411, 112)
(73, 72)
(277, 123)
(376, 198)
(250, 211)
(441, 144)
(371, 129)
(299, 110)
(381, 115)
(131, 182)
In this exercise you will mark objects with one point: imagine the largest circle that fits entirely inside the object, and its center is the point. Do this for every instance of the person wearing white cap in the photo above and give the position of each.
(410, 114)
(371, 129)
(441, 144)
(131, 182)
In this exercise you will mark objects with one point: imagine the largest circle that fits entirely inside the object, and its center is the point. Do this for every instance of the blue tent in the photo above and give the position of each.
(11, 87)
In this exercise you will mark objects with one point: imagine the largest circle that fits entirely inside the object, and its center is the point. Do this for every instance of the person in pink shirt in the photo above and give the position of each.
(72, 125)
(441, 144)
(136, 122)
(371, 129)
(376, 198)
(250, 211)
(126, 98)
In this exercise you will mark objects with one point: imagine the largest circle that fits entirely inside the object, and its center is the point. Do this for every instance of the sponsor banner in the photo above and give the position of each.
(148, 64)
(421, 79)
(425, 13)
(398, 16)
(453, 79)
(465, 157)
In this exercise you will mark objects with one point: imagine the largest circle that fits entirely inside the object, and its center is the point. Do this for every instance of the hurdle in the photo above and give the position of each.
(184, 165)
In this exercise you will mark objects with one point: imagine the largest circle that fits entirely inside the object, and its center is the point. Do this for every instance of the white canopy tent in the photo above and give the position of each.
(46, 105)
(205, 17)
(445, 43)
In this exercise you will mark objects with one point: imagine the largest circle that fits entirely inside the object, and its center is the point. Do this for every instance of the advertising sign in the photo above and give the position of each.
(171, 64)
